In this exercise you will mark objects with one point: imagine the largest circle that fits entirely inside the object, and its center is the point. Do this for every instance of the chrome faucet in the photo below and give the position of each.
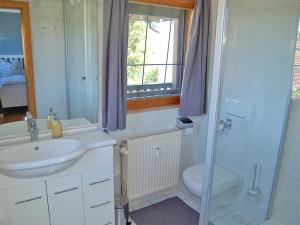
(34, 131)
(29, 119)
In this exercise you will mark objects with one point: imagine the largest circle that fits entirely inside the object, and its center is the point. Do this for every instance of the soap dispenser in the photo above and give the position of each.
(50, 119)
(56, 127)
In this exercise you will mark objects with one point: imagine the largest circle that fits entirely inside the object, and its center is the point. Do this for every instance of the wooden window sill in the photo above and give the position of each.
(183, 4)
(135, 105)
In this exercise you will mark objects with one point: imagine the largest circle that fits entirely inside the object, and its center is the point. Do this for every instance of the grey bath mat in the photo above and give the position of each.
(172, 211)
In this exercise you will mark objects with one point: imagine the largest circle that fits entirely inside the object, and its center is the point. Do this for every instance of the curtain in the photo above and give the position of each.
(114, 83)
(192, 99)
(180, 50)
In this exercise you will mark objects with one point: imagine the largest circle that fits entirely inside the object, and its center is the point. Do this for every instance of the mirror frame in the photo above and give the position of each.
(27, 48)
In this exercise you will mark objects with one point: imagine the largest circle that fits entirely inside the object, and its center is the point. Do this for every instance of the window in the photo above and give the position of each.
(155, 51)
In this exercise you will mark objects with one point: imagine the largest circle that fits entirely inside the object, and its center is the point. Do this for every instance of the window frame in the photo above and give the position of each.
(163, 101)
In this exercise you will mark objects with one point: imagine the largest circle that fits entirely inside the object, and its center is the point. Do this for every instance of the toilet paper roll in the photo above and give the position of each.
(124, 151)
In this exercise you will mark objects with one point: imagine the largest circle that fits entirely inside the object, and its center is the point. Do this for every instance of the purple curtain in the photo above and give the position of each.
(193, 92)
(114, 84)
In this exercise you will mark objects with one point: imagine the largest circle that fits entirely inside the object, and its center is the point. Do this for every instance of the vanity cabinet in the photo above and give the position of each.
(80, 195)
(27, 205)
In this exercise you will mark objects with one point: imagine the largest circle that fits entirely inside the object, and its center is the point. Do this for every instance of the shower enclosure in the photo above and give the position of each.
(81, 29)
(250, 99)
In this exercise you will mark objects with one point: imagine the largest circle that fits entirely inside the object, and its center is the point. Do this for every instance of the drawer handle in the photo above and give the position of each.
(99, 182)
(102, 204)
(28, 200)
(64, 191)
(109, 223)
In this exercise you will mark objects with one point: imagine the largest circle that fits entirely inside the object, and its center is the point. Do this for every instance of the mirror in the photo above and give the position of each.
(48, 59)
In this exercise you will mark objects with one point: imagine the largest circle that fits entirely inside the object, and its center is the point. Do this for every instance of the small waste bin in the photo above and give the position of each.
(122, 210)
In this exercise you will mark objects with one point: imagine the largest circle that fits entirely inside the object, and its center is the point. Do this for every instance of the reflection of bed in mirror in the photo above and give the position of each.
(12, 82)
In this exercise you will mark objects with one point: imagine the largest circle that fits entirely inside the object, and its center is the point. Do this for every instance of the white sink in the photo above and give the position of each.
(39, 158)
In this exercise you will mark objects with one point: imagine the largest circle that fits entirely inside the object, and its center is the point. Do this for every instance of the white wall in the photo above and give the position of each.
(257, 68)
(48, 43)
(286, 203)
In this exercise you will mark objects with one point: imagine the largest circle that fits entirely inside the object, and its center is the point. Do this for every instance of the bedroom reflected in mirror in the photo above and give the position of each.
(13, 95)
(16, 96)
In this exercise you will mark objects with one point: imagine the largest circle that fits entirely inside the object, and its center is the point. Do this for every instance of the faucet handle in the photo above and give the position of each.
(28, 115)
(28, 118)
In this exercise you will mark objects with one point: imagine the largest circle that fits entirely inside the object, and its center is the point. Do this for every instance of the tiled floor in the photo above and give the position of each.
(225, 216)
(180, 192)
(271, 222)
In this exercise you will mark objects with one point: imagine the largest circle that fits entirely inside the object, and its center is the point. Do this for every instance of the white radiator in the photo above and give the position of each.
(153, 163)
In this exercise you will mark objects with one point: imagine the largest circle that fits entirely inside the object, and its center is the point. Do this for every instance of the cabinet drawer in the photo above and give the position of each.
(27, 205)
(99, 209)
(66, 200)
(103, 219)
(3, 212)
(100, 157)
(99, 202)
(64, 184)
(98, 180)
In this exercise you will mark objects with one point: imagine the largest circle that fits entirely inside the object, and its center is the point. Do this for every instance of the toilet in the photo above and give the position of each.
(192, 178)
(227, 185)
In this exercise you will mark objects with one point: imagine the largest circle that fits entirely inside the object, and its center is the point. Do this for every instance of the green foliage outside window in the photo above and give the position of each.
(136, 51)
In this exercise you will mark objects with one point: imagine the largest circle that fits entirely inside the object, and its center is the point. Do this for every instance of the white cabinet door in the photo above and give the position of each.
(27, 205)
(66, 200)
(3, 209)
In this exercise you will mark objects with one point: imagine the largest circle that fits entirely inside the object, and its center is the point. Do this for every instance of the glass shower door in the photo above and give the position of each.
(255, 77)
(81, 48)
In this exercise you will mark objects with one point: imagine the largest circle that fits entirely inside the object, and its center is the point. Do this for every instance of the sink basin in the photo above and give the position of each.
(39, 158)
